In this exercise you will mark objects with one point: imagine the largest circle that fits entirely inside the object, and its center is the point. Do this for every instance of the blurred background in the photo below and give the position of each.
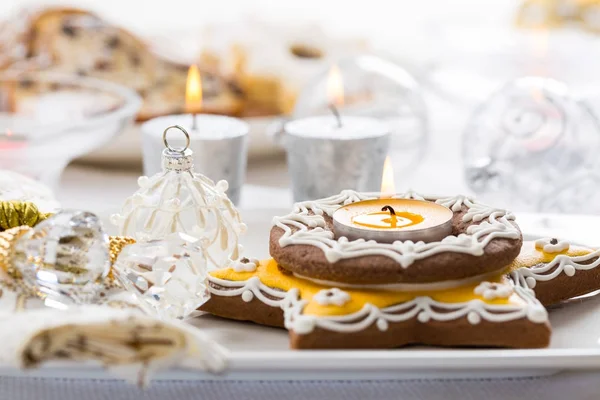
(496, 98)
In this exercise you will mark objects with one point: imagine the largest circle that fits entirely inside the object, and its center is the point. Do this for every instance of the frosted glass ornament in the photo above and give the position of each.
(169, 276)
(178, 200)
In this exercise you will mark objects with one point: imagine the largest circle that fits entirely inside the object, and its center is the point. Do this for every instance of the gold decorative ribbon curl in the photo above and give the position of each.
(14, 213)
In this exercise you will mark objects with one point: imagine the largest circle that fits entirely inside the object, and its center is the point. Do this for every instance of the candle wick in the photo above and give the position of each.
(194, 121)
(336, 114)
(390, 209)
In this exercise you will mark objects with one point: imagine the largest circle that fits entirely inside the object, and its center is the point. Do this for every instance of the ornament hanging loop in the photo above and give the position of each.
(187, 139)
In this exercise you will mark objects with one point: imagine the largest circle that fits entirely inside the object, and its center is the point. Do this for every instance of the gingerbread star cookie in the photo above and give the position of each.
(493, 313)
(331, 292)
(556, 270)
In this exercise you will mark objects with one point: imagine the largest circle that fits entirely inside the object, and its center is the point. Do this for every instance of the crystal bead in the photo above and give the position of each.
(63, 257)
(169, 276)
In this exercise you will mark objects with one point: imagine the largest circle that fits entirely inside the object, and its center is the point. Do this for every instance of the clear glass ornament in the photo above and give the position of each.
(527, 141)
(180, 200)
(169, 277)
(64, 257)
(375, 87)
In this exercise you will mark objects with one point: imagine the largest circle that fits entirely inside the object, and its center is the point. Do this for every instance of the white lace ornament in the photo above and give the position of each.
(179, 200)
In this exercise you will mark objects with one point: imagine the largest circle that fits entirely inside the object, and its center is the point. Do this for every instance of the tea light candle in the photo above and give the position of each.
(388, 220)
(219, 143)
(329, 153)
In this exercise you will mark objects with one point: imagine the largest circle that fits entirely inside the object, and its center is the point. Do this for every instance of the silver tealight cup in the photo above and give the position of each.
(327, 154)
(219, 143)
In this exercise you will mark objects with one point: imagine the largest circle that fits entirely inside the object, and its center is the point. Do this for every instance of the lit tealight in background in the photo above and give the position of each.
(219, 142)
(330, 153)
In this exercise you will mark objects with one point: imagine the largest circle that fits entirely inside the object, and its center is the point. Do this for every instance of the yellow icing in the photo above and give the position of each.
(530, 255)
(270, 275)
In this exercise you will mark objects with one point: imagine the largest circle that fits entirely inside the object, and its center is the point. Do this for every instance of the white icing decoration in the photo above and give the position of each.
(423, 308)
(382, 324)
(247, 296)
(310, 229)
(423, 317)
(249, 266)
(531, 282)
(473, 318)
(547, 246)
(334, 296)
(491, 291)
(269, 296)
(527, 277)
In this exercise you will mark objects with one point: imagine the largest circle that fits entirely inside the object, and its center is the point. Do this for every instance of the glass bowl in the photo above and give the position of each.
(49, 119)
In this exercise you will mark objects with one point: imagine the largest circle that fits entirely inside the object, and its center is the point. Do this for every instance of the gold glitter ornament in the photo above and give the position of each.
(7, 241)
(14, 213)
(116, 244)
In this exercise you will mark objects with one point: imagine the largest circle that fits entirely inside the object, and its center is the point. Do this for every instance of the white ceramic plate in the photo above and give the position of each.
(259, 352)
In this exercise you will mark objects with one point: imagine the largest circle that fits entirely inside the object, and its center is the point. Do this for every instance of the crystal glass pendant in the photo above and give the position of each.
(63, 257)
(169, 276)
(527, 142)
(179, 200)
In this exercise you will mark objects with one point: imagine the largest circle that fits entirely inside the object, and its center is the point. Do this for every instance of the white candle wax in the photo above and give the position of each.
(325, 157)
(327, 127)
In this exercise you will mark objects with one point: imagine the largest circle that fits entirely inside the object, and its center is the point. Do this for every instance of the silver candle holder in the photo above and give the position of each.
(219, 143)
(327, 154)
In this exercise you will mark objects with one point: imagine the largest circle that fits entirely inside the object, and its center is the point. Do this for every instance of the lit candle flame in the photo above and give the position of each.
(387, 181)
(335, 87)
(193, 91)
(540, 38)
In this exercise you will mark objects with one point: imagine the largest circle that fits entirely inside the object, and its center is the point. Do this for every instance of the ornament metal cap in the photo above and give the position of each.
(177, 159)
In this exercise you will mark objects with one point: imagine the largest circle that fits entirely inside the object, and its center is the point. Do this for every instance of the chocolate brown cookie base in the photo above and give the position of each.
(565, 287)
(310, 261)
(519, 333)
(236, 308)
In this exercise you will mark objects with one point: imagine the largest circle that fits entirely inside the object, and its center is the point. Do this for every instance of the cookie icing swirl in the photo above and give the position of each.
(305, 225)
(527, 277)
(424, 308)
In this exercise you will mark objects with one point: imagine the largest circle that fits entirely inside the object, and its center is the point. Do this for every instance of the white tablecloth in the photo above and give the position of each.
(572, 386)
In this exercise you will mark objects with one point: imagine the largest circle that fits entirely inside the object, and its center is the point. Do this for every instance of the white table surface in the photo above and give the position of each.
(103, 191)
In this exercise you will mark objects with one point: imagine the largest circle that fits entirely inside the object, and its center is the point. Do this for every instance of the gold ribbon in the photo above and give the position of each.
(14, 213)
